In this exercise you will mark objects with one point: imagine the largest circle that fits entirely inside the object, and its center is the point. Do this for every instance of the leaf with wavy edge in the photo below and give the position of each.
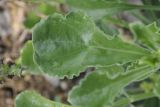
(66, 45)
(103, 92)
(32, 99)
(113, 71)
(61, 43)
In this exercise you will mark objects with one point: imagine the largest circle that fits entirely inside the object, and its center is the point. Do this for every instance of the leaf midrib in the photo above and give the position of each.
(119, 50)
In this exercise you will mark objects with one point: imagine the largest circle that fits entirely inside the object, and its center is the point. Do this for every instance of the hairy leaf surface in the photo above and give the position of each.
(66, 45)
(102, 93)
(61, 43)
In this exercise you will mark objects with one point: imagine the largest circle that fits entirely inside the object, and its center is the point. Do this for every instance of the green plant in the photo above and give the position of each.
(65, 45)
(86, 45)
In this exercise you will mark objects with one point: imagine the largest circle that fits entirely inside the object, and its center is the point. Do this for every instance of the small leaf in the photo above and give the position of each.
(147, 35)
(103, 92)
(27, 58)
(32, 99)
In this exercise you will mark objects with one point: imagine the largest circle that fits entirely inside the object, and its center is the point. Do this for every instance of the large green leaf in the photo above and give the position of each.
(103, 92)
(32, 99)
(61, 43)
(100, 8)
(66, 45)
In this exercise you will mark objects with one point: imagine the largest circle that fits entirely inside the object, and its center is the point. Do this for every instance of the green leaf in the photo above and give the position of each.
(61, 43)
(27, 58)
(32, 99)
(148, 35)
(103, 92)
(100, 8)
(66, 45)
(104, 51)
